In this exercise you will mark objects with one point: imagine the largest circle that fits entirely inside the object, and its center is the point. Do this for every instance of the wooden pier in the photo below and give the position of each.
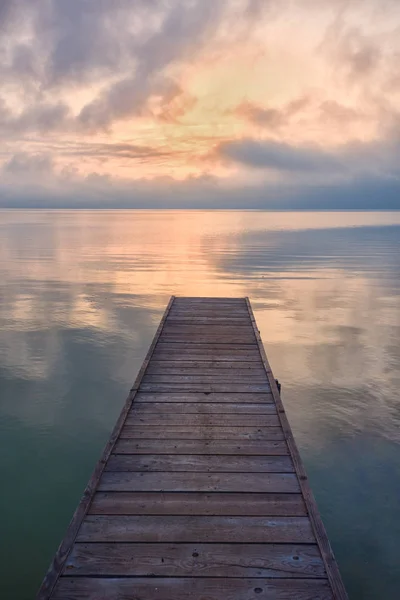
(200, 492)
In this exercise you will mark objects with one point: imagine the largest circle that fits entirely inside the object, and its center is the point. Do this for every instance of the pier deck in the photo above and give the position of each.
(200, 492)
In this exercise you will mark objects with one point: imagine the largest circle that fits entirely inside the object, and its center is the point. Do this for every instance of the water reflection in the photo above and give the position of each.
(81, 294)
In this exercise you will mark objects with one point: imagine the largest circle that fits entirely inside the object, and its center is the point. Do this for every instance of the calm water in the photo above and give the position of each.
(81, 295)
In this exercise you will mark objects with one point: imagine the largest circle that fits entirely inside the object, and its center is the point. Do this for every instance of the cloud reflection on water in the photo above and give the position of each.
(81, 296)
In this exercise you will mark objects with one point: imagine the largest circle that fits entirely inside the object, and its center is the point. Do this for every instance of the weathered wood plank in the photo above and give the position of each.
(202, 420)
(208, 340)
(211, 365)
(225, 388)
(195, 529)
(201, 408)
(198, 371)
(210, 312)
(196, 307)
(214, 397)
(170, 588)
(198, 503)
(218, 300)
(211, 347)
(224, 328)
(201, 329)
(199, 560)
(209, 319)
(206, 356)
(205, 322)
(204, 433)
(207, 447)
(222, 309)
(198, 482)
(187, 351)
(220, 378)
(213, 350)
(188, 462)
(212, 336)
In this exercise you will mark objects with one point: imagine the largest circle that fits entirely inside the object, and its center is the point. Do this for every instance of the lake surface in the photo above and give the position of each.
(81, 295)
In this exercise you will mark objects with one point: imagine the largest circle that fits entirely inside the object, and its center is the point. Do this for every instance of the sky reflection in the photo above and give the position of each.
(81, 295)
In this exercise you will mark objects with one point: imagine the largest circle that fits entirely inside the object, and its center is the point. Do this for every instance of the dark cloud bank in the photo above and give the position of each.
(307, 178)
(368, 193)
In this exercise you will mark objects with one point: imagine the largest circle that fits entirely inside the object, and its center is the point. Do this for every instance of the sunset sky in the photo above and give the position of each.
(200, 103)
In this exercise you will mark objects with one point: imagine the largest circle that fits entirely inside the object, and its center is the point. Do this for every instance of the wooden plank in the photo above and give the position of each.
(209, 325)
(331, 566)
(210, 379)
(216, 334)
(198, 503)
(209, 315)
(201, 329)
(225, 326)
(205, 356)
(227, 307)
(211, 306)
(213, 350)
(211, 347)
(209, 320)
(202, 420)
(224, 388)
(204, 433)
(198, 482)
(211, 365)
(201, 408)
(198, 309)
(179, 319)
(199, 397)
(217, 378)
(182, 300)
(218, 300)
(209, 340)
(201, 560)
(206, 324)
(195, 588)
(211, 335)
(228, 447)
(238, 312)
(195, 529)
(188, 462)
(217, 373)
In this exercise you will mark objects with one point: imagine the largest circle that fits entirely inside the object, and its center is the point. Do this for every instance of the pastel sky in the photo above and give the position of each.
(200, 103)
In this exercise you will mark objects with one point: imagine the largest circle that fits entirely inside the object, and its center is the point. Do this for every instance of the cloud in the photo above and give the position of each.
(26, 164)
(199, 97)
(339, 113)
(272, 118)
(183, 31)
(31, 180)
(113, 150)
(38, 118)
(276, 155)
(357, 53)
(124, 99)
